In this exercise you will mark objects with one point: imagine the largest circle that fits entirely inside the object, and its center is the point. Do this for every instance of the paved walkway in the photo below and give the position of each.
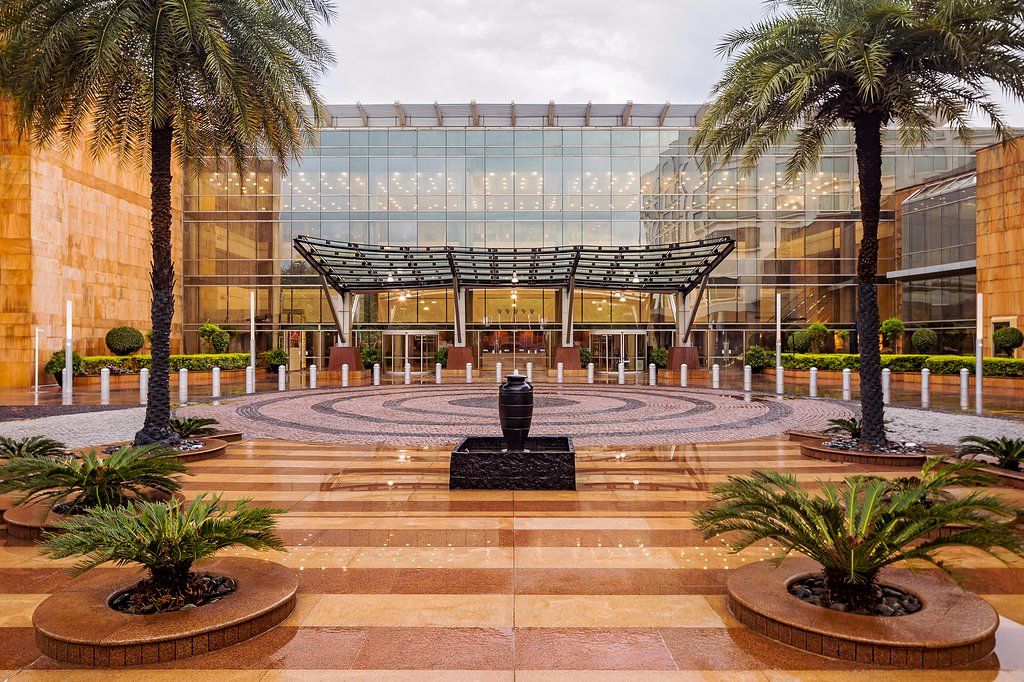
(80, 430)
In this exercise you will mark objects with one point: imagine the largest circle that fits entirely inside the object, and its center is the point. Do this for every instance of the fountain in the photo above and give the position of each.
(514, 461)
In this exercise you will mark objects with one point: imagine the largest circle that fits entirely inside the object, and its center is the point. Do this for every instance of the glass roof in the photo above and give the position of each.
(660, 268)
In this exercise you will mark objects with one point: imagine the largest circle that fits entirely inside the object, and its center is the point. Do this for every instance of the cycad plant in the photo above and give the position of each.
(165, 538)
(147, 81)
(76, 484)
(813, 66)
(1009, 451)
(856, 528)
(32, 446)
(190, 427)
(844, 427)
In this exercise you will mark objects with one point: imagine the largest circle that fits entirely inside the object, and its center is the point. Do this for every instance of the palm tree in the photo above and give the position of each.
(812, 66)
(147, 80)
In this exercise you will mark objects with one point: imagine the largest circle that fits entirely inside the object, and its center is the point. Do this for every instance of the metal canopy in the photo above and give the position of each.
(660, 268)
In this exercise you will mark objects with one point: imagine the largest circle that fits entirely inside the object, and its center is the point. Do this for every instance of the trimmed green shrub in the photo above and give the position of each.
(837, 362)
(55, 365)
(370, 356)
(993, 367)
(758, 358)
(215, 337)
(659, 356)
(800, 342)
(440, 356)
(904, 363)
(892, 329)
(275, 358)
(132, 364)
(1007, 339)
(124, 340)
(844, 340)
(585, 357)
(924, 340)
(818, 334)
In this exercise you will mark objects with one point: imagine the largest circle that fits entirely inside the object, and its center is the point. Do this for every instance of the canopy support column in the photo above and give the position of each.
(568, 295)
(460, 317)
(333, 303)
(693, 314)
(679, 338)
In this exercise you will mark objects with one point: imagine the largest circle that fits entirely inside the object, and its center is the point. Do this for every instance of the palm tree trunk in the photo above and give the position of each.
(868, 137)
(156, 428)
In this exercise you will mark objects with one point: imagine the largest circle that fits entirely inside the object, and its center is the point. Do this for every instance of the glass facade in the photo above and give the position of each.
(531, 186)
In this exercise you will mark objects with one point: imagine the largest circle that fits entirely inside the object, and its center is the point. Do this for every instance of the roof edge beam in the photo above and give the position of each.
(551, 113)
(627, 112)
(586, 115)
(475, 112)
(362, 114)
(400, 113)
(437, 114)
(664, 113)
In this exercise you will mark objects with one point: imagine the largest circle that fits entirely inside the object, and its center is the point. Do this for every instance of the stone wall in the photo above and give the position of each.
(71, 227)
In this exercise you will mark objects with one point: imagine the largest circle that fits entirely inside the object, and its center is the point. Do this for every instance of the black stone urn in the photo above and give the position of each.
(515, 410)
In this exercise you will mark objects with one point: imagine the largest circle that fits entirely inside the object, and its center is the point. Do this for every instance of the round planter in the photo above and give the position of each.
(809, 437)
(911, 459)
(76, 625)
(953, 628)
(226, 436)
(29, 522)
(213, 446)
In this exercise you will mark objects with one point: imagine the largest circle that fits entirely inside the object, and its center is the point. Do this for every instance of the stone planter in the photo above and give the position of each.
(910, 459)
(953, 629)
(809, 437)
(29, 522)
(76, 625)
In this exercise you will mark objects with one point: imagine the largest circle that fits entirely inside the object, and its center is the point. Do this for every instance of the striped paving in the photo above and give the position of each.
(402, 579)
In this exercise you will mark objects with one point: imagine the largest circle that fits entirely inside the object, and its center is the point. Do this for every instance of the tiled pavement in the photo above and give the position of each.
(401, 579)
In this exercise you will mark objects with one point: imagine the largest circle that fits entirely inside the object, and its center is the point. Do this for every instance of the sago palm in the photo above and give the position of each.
(189, 427)
(813, 66)
(856, 528)
(1008, 451)
(145, 80)
(32, 446)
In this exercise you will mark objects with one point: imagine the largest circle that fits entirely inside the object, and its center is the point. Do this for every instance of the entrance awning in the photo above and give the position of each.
(659, 268)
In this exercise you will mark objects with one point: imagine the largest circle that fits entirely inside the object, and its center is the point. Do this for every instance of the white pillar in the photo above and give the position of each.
(560, 372)
(497, 372)
(846, 384)
(183, 386)
(344, 375)
(780, 380)
(407, 374)
(67, 391)
(282, 378)
(590, 372)
(748, 379)
(652, 374)
(35, 362)
(529, 372)
(925, 398)
(469, 372)
(979, 361)
(886, 386)
(312, 376)
(250, 379)
(252, 335)
(143, 386)
(813, 388)
(683, 371)
(622, 373)
(437, 372)
(215, 382)
(964, 388)
(376, 374)
(715, 375)
(105, 386)
(778, 331)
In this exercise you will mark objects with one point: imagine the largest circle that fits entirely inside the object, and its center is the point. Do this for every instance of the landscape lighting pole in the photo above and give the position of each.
(252, 330)
(979, 349)
(778, 330)
(68, 357)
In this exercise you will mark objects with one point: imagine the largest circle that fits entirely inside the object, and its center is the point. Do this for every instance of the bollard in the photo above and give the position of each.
(105, 386)
(250, 379)
(812, 390)
(469, 372)
(407, 378)
(529, 372)
(376, 374)
(925, 398)
(282, 378)
(183, 386)
(715, 375)
(312, 376)
(886, 386)
(748, 378)
(590, 372)
(979, 372)
(846, 384)
(622, 373)
(437, 372)
(682, 375)
(780, 380)
(964, 388)
(497, 371)
(561, 372)
(215, 382)
(143, 386)
(652, 374)
(344, 375)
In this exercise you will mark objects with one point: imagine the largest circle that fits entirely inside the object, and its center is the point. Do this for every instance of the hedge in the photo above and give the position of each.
(993, 367)
(132, 364)
(937, 364)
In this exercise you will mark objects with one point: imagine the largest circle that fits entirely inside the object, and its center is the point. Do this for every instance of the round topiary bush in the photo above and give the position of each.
(892, 329)
(758, 358)
(1007, 339)
(125, 340)
(800, 342)
(819, 334)
(924, 341)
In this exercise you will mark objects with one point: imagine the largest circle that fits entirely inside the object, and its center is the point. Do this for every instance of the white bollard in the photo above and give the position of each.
(469, 372)
(748, 378)
(560, 372)
(812, 390)
(979, 371)
(437, 372)
(143, 386)
(925, 380)
(780, 380)
(376, 374)
(105, 386)
(529, 372)
(497, 371)
(846, 384)
(964, 388)
(183, 386)
(312, 376)
(282, 378)
(344, 375)
(886, 386)
(215, 382)
(590, 372)
(622, 373)
(407, 378)
(715, 375)
(652, 374)
(683, 371)
(250, 379)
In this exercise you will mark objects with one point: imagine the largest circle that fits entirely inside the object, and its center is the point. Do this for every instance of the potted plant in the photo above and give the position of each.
(758, 358)
(275, 358)
(659, 357)
(440, 356)
(892, 329)
(55, 366)
(586, 357)
(187, 596)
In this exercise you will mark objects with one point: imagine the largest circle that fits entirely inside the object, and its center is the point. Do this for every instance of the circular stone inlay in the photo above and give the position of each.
(539, 403)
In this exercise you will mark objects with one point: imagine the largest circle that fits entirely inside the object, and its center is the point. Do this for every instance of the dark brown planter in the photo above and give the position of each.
(29, 522)
(914, 459)
(953, 629)
(1007, 477)
(76, 625)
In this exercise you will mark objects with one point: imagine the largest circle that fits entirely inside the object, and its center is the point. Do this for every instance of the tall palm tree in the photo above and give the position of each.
(145, 80)
(812, 66)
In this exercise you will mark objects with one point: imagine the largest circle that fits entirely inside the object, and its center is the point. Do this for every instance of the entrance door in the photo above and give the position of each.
(626, 346)
(513, 349)
(414, 347)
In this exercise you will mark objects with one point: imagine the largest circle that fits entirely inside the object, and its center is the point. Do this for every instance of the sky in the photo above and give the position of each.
(533, 50)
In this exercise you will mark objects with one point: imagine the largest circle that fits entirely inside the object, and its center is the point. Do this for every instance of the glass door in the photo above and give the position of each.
(513, 349)
(612, 347)
(414, 347)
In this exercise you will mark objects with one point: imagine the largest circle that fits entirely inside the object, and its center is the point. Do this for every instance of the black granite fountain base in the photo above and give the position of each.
(483, 463)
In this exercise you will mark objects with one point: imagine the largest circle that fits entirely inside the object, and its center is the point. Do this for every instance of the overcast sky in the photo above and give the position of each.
(533, 50)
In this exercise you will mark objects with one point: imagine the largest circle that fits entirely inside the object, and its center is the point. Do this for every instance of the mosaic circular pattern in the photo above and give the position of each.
(593, 415)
